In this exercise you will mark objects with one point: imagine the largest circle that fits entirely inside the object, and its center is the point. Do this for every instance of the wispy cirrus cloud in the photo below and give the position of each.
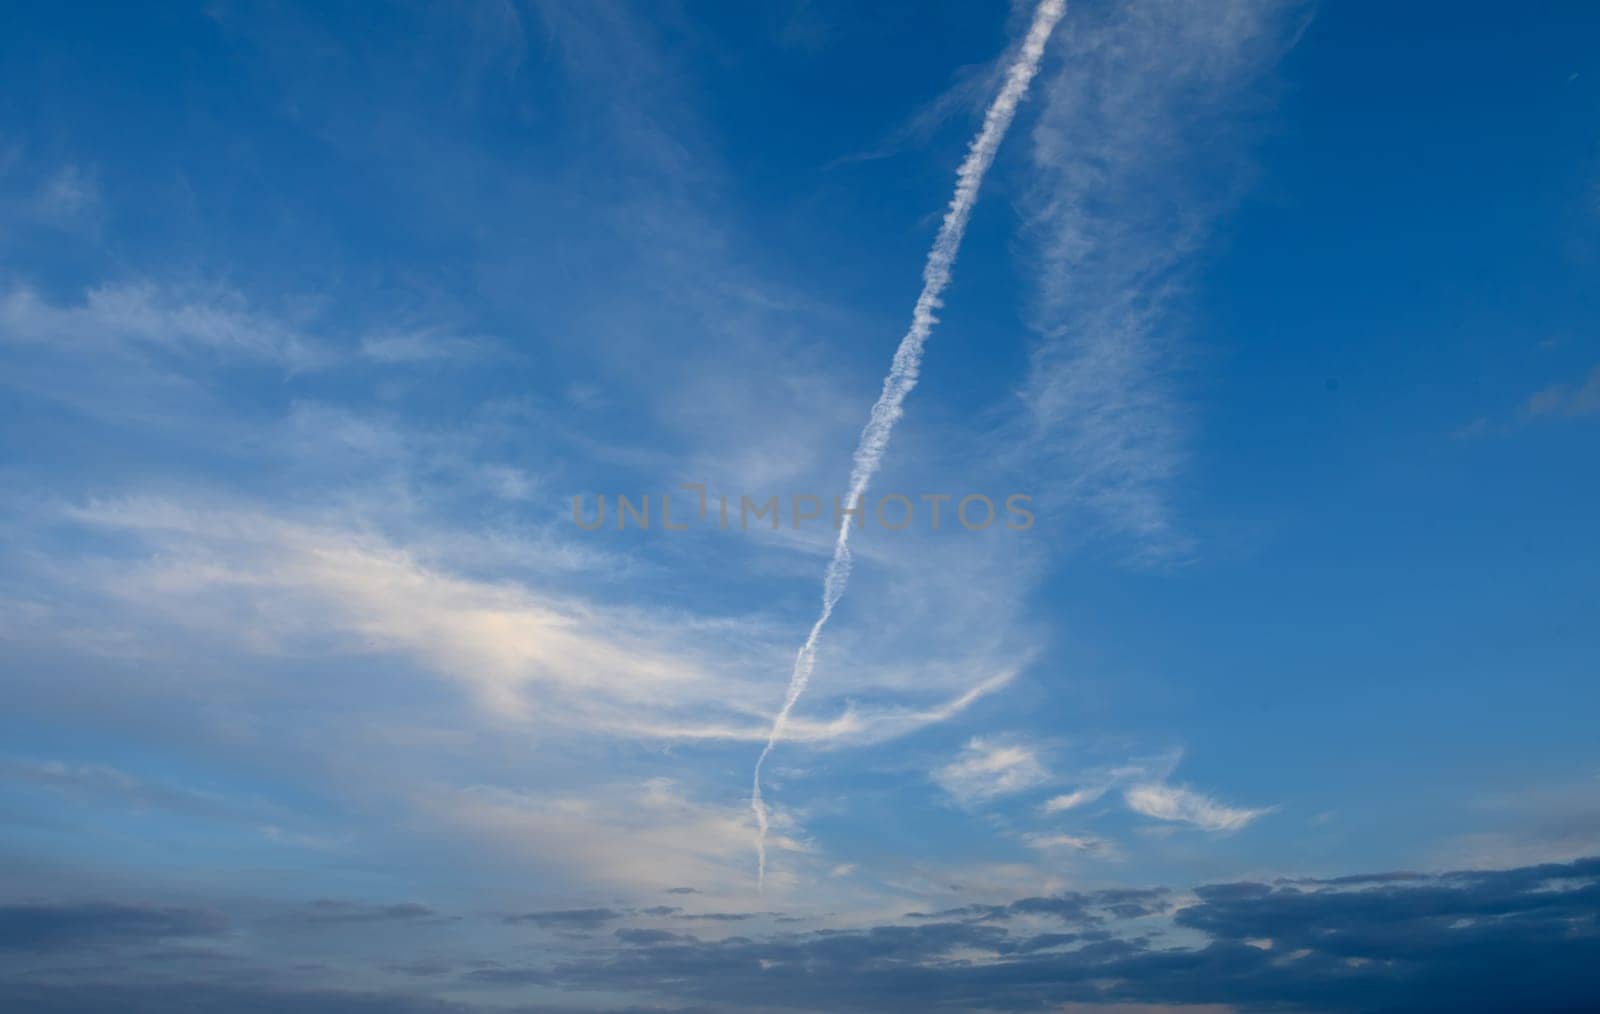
(1186, 806)
(69, 196)
(341, 547)
(1086, 844)
(645, 836)
(1093, 784)
(1072, 800)
(144, 315)
(987, 769)
(1573, 399)
(280, 586)
(1145, 788)
(1578, 399)
(99, 782)
(1135, 152)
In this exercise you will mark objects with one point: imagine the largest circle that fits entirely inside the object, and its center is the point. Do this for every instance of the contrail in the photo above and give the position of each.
(903, 371)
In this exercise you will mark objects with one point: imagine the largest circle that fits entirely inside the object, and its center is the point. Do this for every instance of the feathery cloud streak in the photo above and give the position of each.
(1138, 149)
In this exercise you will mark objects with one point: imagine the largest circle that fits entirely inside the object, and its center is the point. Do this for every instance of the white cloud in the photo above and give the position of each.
(1567, 399)
(1072, 800)
(424, 345)
(1553, 822)
(141, 315)
(985, 770)
(1134, 160)
(1094, 783)
(1087, 844)
(215, 320)
(278, 586)
(1167, 802)
(68, 195)
(649, 835)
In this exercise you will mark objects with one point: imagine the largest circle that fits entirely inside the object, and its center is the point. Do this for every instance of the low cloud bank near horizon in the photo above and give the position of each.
(1523, 938)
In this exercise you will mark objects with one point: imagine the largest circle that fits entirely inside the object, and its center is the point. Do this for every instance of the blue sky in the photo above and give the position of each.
(314, 319)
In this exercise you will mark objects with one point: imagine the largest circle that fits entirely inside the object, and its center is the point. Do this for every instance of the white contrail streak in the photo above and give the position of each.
(903, 372)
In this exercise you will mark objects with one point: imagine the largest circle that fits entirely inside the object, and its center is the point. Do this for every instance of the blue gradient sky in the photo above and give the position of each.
(315, 318)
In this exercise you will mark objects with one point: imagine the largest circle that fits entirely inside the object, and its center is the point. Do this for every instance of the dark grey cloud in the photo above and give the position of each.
(329, 912)
(500, 975)
(1070, 907)
(567, 918)
(649, 937)
(207, 998)
(1040, 942)
(1356, 879)
(1524, 939)
(203, 998)
(594, 918)
(660, 910)
(59, 927)
(424, 967)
